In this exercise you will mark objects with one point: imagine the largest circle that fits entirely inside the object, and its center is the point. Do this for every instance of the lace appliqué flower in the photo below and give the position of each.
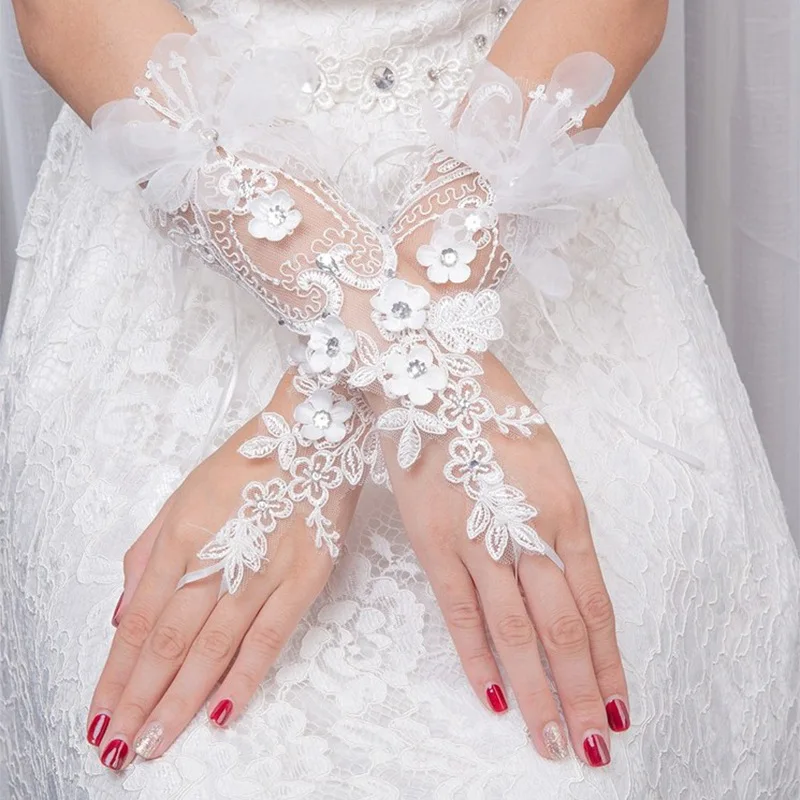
(400, 306)
(447, 257)
(274, 216)
(330, 346)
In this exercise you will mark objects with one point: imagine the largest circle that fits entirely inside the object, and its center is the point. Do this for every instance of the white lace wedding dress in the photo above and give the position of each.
(121, 368)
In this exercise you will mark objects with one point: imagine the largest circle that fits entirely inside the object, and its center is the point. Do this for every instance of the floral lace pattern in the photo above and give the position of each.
(111, 336)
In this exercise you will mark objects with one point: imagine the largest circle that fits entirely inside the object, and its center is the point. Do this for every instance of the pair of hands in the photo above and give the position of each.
(174, 651)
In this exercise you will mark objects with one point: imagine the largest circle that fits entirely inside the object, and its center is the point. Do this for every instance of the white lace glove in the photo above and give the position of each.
(229, 171)
(509, 184)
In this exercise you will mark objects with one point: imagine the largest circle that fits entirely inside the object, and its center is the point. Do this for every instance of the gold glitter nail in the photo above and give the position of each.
(147, 741)
(554, 741)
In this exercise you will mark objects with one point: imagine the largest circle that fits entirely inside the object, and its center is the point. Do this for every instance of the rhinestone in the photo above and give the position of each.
(311, 88)
(416, 368)
(473, 465)
(502, 12)
(401, 310)
(326, 262)
(480, 41)
(209, 135)
(332, 346)
(322, 420)
(315, 476)
(433, 74)
(276, 216)
(383, 78)
(262, 505)
(449, 257)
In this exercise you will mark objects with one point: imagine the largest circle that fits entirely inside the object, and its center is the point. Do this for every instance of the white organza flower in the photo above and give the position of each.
(541, 171)
(206, 83)
(330, 346)
(274, 216)
(447, 257)
(465, 222)
(400, 305)
(414, 375)
(323, 416)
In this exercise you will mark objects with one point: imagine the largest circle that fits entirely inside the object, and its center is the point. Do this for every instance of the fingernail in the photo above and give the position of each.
(97, 729)
(115, 615)
(496, 698)
(618, 717)
(596, 750)
(114, 755)
(147, 741)
(221, 712)
(555, 741)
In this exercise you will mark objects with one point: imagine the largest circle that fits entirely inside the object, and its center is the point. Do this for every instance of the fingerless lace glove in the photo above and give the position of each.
(227, 169)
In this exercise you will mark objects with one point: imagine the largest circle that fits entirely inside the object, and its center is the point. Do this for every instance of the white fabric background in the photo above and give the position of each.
(720, 103)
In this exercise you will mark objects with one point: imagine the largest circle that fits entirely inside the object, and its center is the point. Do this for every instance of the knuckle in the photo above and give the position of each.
(134, 628)
(168, 643)
(570, 509)
(597, 610)
(587, 706)
(215, 645)
(567, 634)
(131, 708)
(464, 614)
(265, 641)
(515, 630)
(247, 679)
(537, 699)
(477, 656)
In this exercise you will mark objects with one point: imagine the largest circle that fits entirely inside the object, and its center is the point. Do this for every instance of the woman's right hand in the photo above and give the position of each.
(569, 614)
(172, 649)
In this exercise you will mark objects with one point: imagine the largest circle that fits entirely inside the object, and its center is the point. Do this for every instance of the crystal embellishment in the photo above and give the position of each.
(326, 262)
(332, 347)
(449, 257)
(416, 368)
(480, 41)
(383, 78)
(401, 310)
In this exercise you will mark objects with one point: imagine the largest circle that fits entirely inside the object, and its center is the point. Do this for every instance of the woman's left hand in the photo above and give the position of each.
(171, 648)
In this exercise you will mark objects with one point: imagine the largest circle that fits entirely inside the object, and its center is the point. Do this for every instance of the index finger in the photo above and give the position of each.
(162, 573)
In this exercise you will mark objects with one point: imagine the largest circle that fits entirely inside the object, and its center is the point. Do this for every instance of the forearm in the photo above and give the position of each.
(542, 33)
(93, 51)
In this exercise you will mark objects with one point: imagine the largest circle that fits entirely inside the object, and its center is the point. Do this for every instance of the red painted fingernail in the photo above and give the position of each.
(497, 700)
(114, 754)
(221, 712)
(618, 717)
(115, 615)
(596, 749)
(97, 730)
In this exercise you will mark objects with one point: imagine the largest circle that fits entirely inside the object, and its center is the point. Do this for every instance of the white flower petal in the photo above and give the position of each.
(419, 395)
(304, 413)
(321, 399)
(318, 360)
(427, 256)
(281, 198)
(342, 411)
(459, 273)
(438, 273)
(420, 353)
(311, 432)
(335, 432)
